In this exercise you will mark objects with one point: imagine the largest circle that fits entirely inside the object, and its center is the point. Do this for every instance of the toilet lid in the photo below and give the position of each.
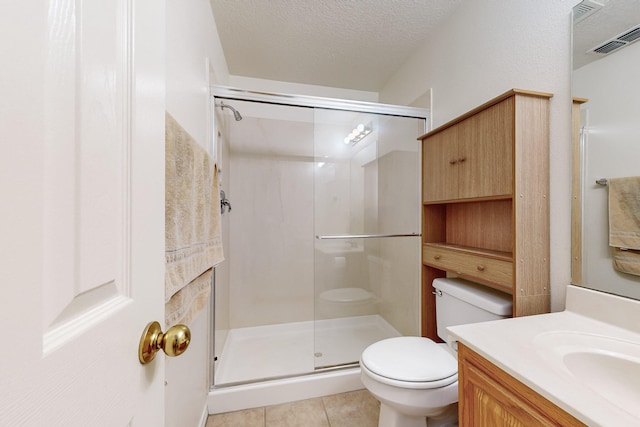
(410, 359)
(346, 295)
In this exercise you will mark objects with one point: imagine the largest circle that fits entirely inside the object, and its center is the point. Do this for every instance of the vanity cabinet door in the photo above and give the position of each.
(489, 397)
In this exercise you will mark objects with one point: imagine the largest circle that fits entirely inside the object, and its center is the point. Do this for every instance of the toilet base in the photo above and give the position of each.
(448, 418)
(389, 417)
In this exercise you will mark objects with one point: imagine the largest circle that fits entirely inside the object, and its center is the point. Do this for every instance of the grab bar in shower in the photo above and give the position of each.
(366, 236)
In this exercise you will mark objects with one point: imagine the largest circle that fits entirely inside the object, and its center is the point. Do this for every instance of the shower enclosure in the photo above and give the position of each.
(321, 246)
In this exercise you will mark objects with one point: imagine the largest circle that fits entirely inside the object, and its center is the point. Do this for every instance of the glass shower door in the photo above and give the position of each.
(366, 220)
(264, 289)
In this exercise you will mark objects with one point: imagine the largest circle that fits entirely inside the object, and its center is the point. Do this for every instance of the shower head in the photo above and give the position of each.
(236, 113)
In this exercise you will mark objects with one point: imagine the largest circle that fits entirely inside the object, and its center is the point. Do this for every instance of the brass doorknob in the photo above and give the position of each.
(174, 342)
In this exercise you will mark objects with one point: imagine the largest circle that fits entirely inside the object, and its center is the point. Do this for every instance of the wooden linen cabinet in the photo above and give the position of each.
(485, 211)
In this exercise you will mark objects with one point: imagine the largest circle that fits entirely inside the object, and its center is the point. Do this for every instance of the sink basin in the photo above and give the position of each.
(607, 366)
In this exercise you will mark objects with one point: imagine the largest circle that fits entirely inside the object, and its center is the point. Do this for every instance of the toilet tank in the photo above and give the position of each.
(460, 302)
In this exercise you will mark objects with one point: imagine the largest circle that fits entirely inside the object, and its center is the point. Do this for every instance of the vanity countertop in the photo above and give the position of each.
(532, 349)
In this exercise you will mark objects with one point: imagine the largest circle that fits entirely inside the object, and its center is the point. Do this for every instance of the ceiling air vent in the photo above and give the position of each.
(584, 9)
(609, 47)
(630, 36)
(619, 41)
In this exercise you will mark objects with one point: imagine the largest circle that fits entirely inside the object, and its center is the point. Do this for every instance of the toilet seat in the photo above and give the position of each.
(410, 362)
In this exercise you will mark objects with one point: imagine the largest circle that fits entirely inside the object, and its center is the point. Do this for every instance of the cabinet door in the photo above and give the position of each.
(488, 404)
(489, 397)
(485, 161)
(440, 176)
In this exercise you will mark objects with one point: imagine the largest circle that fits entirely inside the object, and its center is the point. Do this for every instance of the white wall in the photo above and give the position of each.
(612, 150)
(484, 49)
(192, 42)
(194, 60)
(273, 86)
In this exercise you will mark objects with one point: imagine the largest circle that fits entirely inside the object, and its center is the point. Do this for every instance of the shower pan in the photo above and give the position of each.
(321, 247)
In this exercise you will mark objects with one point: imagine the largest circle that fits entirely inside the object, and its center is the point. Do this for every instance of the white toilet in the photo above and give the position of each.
(416, 379)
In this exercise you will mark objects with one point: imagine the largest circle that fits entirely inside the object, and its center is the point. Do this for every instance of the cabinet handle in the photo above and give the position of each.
(436, 257)
(462, 159)
(480, 267)
(453, 162)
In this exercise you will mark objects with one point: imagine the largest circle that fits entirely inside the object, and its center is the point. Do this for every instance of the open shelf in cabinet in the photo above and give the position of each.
(470, 238)
(486, 225)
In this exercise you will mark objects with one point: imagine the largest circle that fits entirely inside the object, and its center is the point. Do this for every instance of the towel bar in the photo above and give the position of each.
(366, 236)
(601, 181)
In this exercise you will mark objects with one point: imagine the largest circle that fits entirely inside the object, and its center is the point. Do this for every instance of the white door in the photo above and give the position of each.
(81, 211)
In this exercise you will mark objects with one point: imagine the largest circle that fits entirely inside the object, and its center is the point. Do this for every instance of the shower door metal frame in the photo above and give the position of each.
(229, 93)
(320, 102)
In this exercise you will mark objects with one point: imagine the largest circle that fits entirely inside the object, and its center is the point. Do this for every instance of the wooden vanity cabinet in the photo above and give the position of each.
(489, 397)
(485, 214)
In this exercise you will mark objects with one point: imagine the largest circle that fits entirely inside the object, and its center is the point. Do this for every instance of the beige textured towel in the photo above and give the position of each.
(626, 261)
(185, 304)
(193, 240)
(624, 223)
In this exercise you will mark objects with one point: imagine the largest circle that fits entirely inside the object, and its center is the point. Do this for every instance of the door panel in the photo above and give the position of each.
(87, 271)
(86, 170)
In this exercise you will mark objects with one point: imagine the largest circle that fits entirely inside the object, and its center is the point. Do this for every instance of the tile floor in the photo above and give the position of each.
(352, 409)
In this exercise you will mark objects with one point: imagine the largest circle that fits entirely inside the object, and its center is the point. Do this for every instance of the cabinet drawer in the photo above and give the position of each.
(494, 271)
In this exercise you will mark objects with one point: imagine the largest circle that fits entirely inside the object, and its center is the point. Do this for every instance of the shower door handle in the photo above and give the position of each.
(366, 236)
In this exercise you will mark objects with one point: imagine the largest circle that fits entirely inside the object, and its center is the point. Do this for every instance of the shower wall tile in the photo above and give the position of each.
(271, 253)
(401, 284)
(339, 210)
(281, 200)
(332, 198)
(398, 192)
(399, 211)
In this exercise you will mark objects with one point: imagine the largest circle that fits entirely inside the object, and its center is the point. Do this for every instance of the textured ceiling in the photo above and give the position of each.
(354, 44)
(615, 17)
